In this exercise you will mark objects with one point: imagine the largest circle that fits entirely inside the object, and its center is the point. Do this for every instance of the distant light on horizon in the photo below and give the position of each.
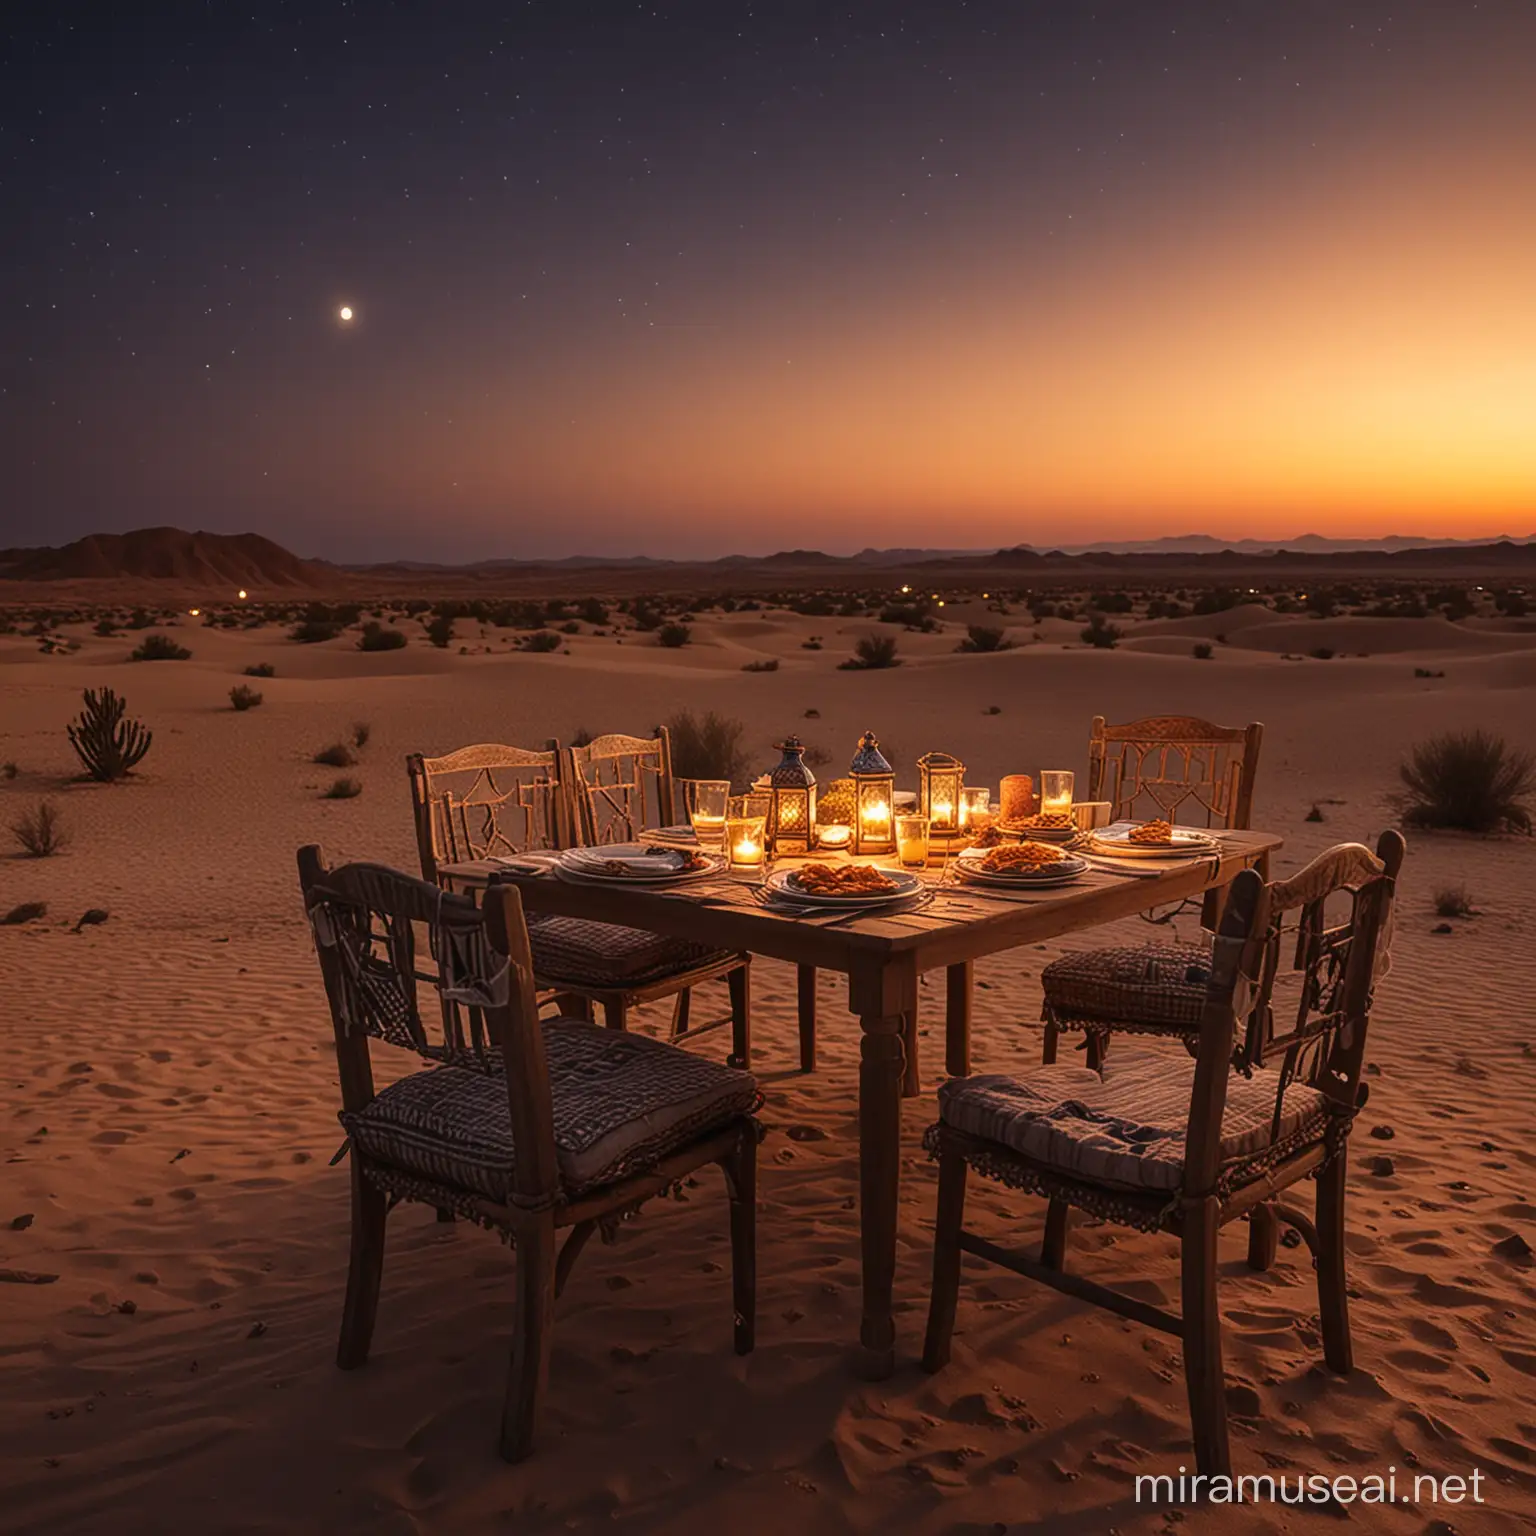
(345, 312)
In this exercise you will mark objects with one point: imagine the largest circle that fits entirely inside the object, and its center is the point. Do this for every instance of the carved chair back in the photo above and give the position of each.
(621, 785)
(1177, 767)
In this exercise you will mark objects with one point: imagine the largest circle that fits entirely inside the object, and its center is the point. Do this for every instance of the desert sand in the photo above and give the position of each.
(168, 1102)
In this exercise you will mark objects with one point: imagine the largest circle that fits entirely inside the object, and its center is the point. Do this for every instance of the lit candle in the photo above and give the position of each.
(1056, 787)
(943, 812)
(877, 816)
(835, 836)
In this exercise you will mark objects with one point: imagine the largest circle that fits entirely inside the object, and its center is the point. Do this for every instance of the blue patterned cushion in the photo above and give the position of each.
(575, 949)
(621, 1102)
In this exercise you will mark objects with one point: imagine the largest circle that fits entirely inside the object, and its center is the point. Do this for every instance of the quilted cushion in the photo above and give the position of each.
(621, 1101)
(603, 954)
(1125, 1127)
(1156, 984)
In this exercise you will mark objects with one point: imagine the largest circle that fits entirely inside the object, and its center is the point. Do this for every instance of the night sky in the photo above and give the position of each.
(692, 279)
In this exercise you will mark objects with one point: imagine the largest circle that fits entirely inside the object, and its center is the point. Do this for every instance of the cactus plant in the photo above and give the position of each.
(108, 745)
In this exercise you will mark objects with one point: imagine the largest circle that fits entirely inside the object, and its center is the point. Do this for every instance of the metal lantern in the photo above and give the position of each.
(940, 778)
(874, 799)
(792, 807)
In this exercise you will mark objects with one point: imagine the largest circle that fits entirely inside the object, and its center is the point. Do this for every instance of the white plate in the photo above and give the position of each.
(642, 869)
(781, 881)
(1037, 834)
(1039, 883)
(1117, 841)
(970, 865)
(582, 877)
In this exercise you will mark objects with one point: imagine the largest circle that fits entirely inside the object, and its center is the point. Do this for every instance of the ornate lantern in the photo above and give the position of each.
(940, 778)
(792, 805)
(874, 799)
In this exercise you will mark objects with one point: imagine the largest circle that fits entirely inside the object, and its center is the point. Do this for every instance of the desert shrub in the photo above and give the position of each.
(343, 789)
(337, 755)
(40, 832)
(872, 653)
(1321, 653)
(673, 635)
(541, 641)
(440, 631)
(376, 637)
(571, 627)
(108, 744)
(361, 731)
(817, 606)
(314, 631)
(106, 626)
(8, 770)
(1315, 814)
(1112, 602)
(158, 647)
(26, 912)
(993, 709)
(985, 637)
(1426, 672)
(645, 616)
(593, 611)
(261, 669)
(813, 644)
(913, 615)
(1202, 652)
(1453, 901)
(581, 737)
(1468, 780)
(1512, 604)
(1101, 635)
(770, 665)
(242, 697)
(707, 747)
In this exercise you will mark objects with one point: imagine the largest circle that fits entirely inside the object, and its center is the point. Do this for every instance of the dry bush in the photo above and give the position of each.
(243, 698)
(343, 789)
(1469, 781)
(337, 755)
(40, 831)
(708, 747)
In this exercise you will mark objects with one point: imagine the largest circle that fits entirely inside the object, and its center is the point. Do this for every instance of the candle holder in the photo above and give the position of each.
(746, 831)
(975, 810)
(1056, 786)
(940, 778)
(874, 799)
(792, 804)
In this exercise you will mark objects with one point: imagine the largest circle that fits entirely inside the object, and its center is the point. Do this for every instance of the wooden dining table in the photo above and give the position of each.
(882, 954)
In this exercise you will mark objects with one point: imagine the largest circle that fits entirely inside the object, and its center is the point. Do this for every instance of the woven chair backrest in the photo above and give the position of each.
(1176, 767)
(622, 786)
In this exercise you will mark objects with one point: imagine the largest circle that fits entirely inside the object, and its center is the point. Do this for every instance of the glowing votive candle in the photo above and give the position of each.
(745, 840)
(1056, 792)
(835, 836)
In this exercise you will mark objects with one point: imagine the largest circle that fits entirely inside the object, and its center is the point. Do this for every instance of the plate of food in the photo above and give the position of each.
(1151, 840)
(1028, 863)
(635, 863)
(1044, 826)
(843, 885)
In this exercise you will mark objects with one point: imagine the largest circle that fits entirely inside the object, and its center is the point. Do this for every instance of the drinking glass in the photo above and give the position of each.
(1056, 786)
(707, 801)
(912, 841)
(746, 831)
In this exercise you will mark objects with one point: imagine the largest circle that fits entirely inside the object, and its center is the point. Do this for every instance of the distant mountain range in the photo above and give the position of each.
(225, 561)
(167, 554)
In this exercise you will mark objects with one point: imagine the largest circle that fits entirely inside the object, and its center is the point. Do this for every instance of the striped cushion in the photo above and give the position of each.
(578, 950)
(1150, 984)
(621, 1101)
(1125, 1128)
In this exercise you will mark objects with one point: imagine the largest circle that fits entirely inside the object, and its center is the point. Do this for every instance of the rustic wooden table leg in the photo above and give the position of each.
(957, 1019)
(805, 989)
(882, 997)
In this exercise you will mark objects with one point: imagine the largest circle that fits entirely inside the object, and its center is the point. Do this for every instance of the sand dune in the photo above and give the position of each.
(168, 1113)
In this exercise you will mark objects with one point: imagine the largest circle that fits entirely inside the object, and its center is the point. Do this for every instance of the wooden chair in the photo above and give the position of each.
(1187, 771)
(490, 800)
(1161, 1143)
(526, 1127)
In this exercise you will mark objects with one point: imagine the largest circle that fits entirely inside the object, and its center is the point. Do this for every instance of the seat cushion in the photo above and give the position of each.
(621, 1102)
(1150, 984)
(580, 951)
(1126, 1127)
